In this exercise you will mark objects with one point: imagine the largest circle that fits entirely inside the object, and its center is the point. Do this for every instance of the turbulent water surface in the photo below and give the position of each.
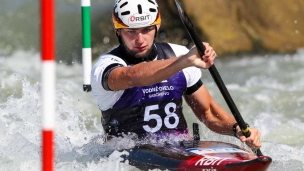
(267, 89)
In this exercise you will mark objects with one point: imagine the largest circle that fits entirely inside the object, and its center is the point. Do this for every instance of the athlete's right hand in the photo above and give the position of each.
(204, 61)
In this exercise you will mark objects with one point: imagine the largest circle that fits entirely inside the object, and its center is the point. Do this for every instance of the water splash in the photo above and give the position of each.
(274, 107)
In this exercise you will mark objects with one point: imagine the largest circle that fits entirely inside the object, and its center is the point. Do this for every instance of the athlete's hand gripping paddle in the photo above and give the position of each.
(217, 78)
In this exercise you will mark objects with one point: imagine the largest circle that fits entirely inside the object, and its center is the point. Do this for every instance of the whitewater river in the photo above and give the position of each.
(267, 89)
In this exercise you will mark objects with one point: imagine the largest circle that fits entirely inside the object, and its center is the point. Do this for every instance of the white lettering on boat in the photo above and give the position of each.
(203, 151)
(210, 161)
(209, 170)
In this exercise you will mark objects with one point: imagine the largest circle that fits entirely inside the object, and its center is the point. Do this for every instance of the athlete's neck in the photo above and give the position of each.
(133, 60)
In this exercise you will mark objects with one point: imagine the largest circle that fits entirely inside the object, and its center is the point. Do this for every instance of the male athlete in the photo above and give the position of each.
(139, 85)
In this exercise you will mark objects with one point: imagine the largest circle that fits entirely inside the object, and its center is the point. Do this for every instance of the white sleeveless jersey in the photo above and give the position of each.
(106, 99)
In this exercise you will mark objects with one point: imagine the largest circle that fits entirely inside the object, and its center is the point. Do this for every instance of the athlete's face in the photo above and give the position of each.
(139, 41)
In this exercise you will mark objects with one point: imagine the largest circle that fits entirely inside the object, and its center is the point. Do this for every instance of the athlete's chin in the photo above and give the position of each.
(141, 54)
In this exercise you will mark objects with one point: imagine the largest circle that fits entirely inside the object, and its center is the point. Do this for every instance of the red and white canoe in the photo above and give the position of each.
(197, 155)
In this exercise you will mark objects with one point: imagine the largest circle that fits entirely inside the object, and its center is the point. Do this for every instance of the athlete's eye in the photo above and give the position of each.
(148, 29)
(131, 32)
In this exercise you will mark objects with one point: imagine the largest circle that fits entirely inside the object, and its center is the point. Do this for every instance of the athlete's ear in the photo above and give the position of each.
(117, 32)
(157, 26)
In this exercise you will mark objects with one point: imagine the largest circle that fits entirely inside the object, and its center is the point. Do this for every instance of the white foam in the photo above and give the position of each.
(272, 102)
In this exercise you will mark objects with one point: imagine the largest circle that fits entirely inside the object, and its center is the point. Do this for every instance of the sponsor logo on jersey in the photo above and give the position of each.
(159, 94)
(157, 89)
(113, 59)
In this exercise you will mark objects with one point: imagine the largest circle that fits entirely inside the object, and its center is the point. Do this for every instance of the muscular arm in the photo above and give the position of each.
(217, 119)
(146, 73)
(156, 71)
(209, 112)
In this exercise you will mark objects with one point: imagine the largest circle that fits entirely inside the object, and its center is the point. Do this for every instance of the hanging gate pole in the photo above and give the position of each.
(48, 78)
(86, 44)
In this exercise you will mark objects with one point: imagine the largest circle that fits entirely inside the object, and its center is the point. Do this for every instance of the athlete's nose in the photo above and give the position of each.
(140, 38)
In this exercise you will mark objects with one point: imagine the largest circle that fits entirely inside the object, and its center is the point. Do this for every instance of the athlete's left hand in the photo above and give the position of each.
(253, 141)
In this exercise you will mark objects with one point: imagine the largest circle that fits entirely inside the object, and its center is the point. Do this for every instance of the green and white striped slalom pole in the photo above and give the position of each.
(86, 44)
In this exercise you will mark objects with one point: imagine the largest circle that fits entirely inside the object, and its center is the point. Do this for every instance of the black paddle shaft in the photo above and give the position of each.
(214, 73)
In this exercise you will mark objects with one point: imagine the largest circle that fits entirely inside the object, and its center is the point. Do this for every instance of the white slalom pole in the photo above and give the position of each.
(48, 78)
(86, 44)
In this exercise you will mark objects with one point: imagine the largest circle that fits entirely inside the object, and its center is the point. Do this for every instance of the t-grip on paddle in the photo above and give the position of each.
(217, 78)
